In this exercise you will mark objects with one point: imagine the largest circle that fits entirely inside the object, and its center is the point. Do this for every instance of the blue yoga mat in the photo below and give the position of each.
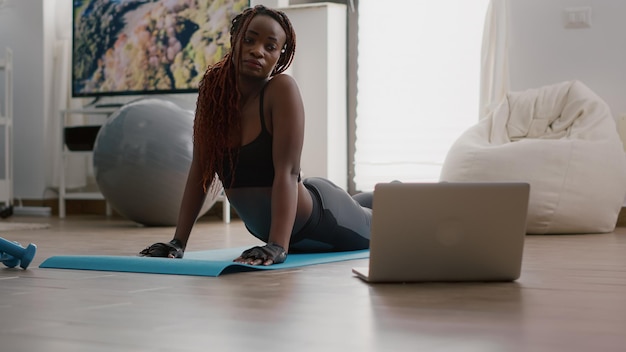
(202, 263)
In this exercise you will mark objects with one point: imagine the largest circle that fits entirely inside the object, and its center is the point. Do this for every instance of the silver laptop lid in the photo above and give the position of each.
(448, 231)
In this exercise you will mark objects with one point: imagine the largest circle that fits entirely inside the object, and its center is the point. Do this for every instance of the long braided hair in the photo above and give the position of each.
(217, 114)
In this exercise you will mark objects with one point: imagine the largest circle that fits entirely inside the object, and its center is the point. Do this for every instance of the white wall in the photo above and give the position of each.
(22, 28)
(542, 51)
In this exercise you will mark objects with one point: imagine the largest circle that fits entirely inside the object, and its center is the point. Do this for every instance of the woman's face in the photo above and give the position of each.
(261, 47)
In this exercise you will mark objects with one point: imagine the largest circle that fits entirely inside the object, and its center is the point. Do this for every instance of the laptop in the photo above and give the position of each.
(447, 232)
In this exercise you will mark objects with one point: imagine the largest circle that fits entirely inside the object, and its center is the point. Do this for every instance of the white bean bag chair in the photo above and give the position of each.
(563, 141)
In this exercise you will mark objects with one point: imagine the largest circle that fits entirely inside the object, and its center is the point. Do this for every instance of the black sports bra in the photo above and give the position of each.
(254, 166)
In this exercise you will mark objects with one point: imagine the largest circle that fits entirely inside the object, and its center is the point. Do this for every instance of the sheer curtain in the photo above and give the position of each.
(494, 80)
(418, 85)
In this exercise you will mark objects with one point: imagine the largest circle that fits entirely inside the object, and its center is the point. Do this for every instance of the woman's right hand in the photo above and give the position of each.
(269, 254)
(172, 249)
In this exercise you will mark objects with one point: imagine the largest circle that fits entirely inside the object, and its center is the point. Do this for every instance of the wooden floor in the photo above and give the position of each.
(571, 297)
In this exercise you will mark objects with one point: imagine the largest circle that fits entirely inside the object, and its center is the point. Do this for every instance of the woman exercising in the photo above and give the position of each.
(249, 132)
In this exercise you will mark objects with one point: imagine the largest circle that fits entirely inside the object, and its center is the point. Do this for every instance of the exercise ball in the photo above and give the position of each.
(141, 158)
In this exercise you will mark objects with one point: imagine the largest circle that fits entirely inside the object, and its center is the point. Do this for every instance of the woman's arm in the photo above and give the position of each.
(192, 201)
(285, 108)
(287, 117)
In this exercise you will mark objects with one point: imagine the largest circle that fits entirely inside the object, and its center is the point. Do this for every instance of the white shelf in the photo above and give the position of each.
(77, 152)
(64, 194)
(90, 111)
(84, 195)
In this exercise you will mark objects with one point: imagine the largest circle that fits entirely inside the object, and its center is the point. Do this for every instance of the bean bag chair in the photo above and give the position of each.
(563, 141)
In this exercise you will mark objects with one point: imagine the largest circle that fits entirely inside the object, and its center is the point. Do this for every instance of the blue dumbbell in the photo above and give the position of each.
(9, 260)
(12, 251)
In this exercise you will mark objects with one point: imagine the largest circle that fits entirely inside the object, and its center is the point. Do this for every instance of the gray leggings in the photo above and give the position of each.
(337, 223)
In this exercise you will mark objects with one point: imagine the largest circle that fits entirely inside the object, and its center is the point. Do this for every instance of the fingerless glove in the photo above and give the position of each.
(271, 251)
(174, 248)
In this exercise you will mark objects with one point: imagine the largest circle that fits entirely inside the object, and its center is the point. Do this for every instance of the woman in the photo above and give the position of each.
(249, 132)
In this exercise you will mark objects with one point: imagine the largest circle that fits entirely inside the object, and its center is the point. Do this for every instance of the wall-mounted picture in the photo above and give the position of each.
(136, 47)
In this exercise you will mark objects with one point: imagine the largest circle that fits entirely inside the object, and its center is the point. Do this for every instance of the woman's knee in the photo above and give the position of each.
(366, 199)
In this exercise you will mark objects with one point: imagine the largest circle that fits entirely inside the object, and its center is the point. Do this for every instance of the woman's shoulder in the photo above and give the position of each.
(284, 95)
(282, 83)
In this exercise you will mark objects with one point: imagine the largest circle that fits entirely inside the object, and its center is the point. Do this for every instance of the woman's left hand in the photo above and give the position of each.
(269, 254)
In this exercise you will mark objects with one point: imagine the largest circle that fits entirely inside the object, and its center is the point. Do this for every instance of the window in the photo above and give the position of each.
(418, 85)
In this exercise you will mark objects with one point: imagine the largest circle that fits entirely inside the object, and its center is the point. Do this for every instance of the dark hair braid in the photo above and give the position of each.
(217, 108)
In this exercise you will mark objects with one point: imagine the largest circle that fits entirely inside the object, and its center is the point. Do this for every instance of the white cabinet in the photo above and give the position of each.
(6, 127)
(320, 68)
(64, 194)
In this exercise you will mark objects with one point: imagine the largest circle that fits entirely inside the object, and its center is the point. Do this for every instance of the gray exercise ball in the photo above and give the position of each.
(141, 158)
